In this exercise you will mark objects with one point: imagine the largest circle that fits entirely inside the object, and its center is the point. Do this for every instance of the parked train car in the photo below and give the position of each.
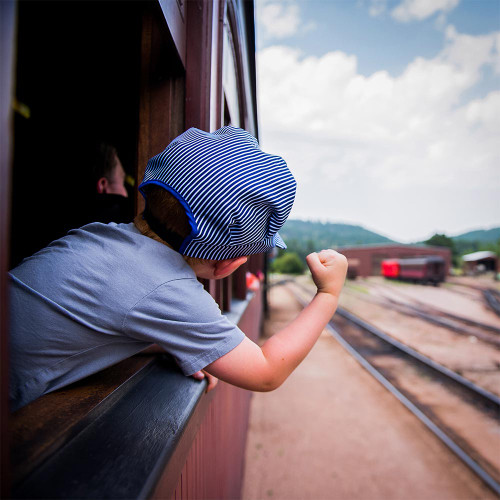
(390, 268)
(430, 269)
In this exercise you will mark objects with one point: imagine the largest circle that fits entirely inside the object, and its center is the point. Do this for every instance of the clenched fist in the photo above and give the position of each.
(328, 269)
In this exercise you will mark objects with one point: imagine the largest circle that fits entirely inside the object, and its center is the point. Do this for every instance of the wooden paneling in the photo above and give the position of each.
(227, 293)
(7, 28)
(39, 429)
(214, 466)
(161, 105)
(121, 449)
(240, 282)
(198, 63)
(215, 290)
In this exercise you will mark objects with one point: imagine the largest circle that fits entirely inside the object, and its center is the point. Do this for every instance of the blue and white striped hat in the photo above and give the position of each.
(236, 196)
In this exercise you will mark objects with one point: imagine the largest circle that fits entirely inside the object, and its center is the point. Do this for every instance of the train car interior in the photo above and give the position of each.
(74, 86)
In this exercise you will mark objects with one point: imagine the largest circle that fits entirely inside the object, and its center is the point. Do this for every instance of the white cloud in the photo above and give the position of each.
(410, 10)
(377, 7)
(371, 148)
(279, 19)
(471, 52)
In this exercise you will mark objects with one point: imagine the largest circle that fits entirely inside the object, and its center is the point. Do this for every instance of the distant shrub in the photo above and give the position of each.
(288, 263)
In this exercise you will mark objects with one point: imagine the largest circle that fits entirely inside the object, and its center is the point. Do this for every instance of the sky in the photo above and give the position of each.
(386, 111)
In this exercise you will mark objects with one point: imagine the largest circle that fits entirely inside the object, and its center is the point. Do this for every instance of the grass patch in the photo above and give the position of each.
(357, 288)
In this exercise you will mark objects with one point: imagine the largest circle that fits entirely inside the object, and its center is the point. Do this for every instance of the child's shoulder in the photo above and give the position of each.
(126, 242)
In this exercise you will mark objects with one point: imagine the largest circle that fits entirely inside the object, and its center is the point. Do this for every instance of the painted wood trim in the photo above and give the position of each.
(7, 47)
(198, 63)
(174, 12)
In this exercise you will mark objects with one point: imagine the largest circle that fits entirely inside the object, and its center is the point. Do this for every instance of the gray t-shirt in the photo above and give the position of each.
(99, 295)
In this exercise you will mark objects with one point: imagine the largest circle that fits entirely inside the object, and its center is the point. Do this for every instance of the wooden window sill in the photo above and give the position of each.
(111, 434)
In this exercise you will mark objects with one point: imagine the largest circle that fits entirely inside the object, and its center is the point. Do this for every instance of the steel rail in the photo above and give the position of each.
(413, 408)
(443, 318)
(493, 398)
(428, 310)
(492, 298)
(462, 381)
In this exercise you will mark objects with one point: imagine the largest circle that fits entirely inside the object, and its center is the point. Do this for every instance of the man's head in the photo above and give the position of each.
(234, 196)
(109, 175)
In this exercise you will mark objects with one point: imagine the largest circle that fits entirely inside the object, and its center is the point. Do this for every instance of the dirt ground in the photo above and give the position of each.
(461, 296)
(332, 432)
(466, 354)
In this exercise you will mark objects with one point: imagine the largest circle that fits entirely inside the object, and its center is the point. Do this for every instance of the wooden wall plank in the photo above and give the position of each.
(198, 63)
(7, 30)
(161, 106)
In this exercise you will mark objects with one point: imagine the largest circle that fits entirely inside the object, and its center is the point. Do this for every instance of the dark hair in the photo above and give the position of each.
(169, 213)
(103, 162)
(167, 210)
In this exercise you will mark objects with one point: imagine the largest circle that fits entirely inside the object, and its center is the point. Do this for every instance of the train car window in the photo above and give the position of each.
(226, 114)
(87, 74)
(229, 79)
(74, 86)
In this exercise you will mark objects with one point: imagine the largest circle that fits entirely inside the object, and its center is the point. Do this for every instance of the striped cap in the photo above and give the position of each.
(236, 196)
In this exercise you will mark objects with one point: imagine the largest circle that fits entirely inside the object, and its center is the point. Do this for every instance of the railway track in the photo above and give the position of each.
(458, 324)
(461, 414)
(492, 298)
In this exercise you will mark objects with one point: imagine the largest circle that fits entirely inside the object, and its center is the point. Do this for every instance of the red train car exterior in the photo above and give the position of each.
(368, 258)
(390, 268)
(431, 269)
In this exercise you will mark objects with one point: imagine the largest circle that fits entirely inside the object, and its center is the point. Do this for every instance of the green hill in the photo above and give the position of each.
(473, 241)
(304, 237)
(480, 235)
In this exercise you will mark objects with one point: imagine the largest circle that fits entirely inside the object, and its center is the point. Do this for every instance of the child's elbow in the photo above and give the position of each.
(269, 383)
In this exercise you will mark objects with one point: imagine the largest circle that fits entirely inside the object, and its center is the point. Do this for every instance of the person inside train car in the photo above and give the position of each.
(109, 199)
(105, 292)
(99, 187)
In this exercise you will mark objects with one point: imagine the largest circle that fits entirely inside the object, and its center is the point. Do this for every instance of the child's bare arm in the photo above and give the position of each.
(266, 368)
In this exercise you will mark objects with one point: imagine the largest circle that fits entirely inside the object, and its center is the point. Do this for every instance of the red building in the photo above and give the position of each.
(366, 260)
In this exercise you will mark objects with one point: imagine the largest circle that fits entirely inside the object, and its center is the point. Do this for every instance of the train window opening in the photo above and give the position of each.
(77, 82)
(227, 115)
(233, 83)
(229, 79)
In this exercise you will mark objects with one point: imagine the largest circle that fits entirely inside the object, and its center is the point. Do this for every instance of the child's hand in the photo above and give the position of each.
(212, 381)
(328, 269)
